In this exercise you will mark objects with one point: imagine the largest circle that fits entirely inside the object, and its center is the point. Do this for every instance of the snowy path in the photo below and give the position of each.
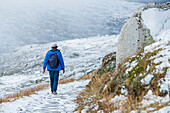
(45, 102)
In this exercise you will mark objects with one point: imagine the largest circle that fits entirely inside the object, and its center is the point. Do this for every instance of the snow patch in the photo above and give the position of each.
(147, 79)
(157, 20)
(44, 101)
(118, 100)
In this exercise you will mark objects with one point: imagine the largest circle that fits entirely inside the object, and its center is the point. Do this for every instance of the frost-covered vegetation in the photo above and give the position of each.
(23, 68)
(141, 82)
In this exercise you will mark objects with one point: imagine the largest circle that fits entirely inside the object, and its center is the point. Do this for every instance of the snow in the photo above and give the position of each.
(129, 69)
(118, 100)
(157, 20)
(124, 90)
(27, 22)
(147, 79)
(160, 31)
(81, 56)
(162, 57)
(44, 101)
(100, 111)
(105, 87)
(133, 111)
(149, 99)
(166, 84)
(151, 47)
(130, 66)
(24, 65)
(163, 110)
(148, 67)
(134, 63)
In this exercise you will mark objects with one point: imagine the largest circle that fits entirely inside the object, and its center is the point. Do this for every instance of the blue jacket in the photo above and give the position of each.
(61, 62)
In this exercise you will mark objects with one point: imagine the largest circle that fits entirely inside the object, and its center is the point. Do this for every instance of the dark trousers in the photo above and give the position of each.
(54, 77)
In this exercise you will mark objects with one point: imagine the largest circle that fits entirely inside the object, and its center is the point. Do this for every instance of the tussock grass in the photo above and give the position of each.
(85, 77)
(108, 82)
(34, 90)
(23, 93)
(65, 81)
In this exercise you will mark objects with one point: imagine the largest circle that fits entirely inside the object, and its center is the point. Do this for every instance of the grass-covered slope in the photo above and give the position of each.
(142, 81)
(132, 85)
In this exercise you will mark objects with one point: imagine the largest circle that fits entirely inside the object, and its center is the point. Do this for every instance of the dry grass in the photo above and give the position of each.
(85, 77)
(34, 90)
(109, 57)
(105, 85)
(23, 93)
(92, 95)
(64, 81)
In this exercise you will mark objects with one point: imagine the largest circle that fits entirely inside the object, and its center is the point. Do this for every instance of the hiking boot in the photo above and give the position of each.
(55, 93)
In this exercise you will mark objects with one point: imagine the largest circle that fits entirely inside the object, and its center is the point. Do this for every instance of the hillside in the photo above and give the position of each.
(141, 81)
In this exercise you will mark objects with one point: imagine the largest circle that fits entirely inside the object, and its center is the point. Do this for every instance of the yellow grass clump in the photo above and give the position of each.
(30, 91)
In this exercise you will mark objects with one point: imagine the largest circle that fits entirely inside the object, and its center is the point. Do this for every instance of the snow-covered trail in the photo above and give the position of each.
(22, 69)
(45, 102)
(25, 64)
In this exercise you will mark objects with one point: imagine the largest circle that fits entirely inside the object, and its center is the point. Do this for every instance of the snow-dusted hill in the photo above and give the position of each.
(145, 75)
(23, 68)
(141, 83)
(27, 22)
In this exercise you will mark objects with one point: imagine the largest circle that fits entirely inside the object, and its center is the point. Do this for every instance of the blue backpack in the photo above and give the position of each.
(53, 61)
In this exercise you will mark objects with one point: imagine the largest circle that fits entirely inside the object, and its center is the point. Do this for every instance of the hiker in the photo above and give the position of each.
(54, 63)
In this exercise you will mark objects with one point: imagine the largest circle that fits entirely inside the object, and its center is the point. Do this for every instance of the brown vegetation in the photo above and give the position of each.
(108, 58)
(30, 91)
(23, 93)
(108, 82)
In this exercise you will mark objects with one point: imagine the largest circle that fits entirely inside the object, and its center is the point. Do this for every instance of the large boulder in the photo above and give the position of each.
(134, 34)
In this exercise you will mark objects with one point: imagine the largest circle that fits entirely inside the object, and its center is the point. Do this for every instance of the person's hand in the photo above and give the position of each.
(43, 71)
(63, 71)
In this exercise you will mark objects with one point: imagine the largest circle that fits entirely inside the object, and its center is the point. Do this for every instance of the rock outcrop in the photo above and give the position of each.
(141, 82)
(134, 34)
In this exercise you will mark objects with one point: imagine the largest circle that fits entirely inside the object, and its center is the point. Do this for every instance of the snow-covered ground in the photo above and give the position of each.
(156, 54)
(23, 68)
(158, 21)
(45, 102)
(160, 30)
(27, 22)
